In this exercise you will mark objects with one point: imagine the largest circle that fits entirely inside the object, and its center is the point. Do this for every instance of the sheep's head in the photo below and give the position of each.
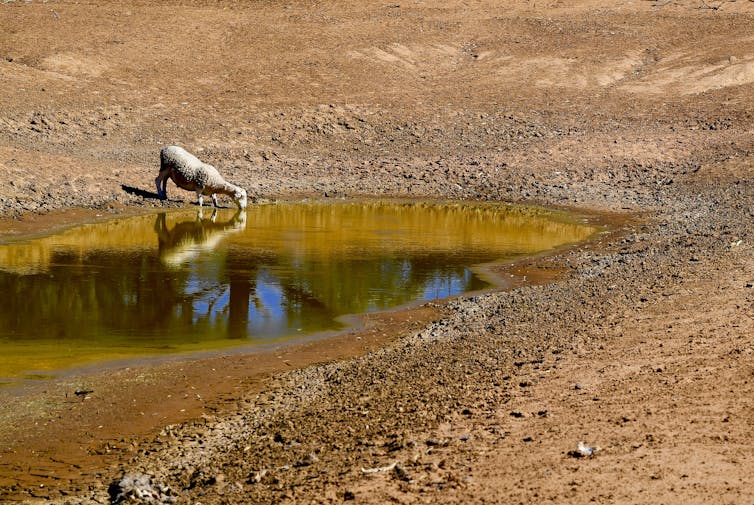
(239, 196)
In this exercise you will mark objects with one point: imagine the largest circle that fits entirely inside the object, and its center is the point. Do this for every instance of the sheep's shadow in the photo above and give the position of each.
(139, 192)
(151, 194)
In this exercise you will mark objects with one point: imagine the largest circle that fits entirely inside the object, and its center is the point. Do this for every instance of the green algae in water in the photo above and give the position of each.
(180, 282)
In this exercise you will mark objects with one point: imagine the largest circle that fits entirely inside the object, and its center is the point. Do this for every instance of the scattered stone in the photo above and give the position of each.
(138, 488)
(310, 459)
(583, 451)
(256, 477)
(379, 469)
(401, 472)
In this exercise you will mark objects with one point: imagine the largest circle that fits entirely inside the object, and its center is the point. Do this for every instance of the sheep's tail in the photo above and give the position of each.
(164, 159)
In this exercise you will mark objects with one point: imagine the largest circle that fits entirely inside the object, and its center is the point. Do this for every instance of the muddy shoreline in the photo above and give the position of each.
(625, 272)
(641, 349)
(103, 416)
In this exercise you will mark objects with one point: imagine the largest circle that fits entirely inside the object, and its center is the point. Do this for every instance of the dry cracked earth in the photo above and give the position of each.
(640, 345)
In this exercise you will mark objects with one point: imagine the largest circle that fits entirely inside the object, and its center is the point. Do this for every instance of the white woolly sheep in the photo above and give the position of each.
(190, 173)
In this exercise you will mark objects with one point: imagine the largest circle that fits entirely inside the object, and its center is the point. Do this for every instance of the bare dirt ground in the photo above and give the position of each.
(642, 348)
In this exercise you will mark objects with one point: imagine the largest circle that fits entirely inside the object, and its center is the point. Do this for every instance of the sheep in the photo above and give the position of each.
(190, 173)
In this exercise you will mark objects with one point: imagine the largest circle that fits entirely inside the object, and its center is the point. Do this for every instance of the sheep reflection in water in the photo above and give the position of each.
(227, 297)
(187, 239)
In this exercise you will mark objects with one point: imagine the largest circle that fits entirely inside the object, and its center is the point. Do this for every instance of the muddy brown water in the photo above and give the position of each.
(184, 281)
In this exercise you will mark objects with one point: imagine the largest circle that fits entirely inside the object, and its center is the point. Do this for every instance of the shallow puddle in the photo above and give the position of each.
(180, 282)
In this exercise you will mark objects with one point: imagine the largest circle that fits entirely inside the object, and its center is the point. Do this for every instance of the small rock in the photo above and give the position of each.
(310, 459)
(583, 451)
(401, 472)
(138, 488)
(256, 477)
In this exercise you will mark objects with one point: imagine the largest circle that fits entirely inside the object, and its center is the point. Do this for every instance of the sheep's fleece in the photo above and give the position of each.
(190, 173)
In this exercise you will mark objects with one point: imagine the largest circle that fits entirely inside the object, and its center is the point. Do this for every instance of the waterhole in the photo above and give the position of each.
(185, 281)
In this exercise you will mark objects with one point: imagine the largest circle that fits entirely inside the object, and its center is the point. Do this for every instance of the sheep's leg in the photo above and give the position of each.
(161, 193)
(214, 200)
(199, 197)
(162, 183)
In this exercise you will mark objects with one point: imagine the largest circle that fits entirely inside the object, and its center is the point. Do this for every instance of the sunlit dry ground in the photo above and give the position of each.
(642, 349)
